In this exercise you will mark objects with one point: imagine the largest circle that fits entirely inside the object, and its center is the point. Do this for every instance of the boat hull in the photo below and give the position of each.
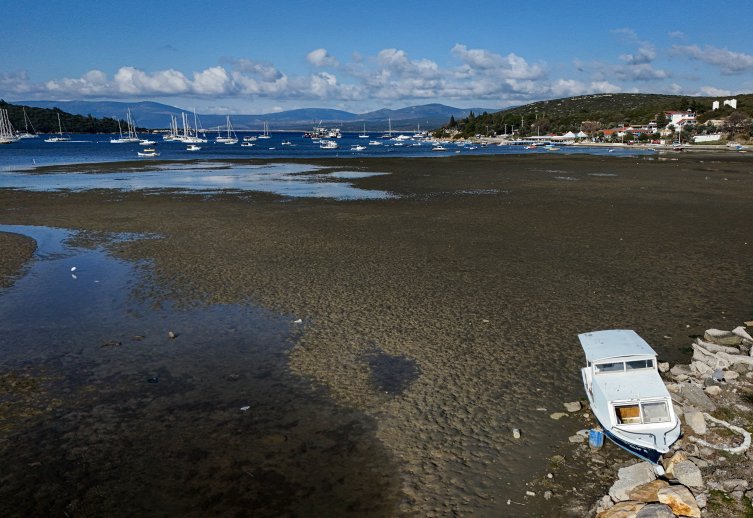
(649, 454)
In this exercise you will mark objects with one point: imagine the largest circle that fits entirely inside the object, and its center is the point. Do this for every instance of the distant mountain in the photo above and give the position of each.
(155, 115)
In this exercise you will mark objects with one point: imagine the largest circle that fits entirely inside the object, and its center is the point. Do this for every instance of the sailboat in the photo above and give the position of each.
(61, 138)
(363, 135)
(389, 133)
(7, 135)
(27, 122)
(132, 136)
(230, 139)
(188, 136)
(173, 135)
(266, 131)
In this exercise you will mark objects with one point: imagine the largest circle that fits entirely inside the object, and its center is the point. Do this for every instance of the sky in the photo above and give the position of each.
(253, 57)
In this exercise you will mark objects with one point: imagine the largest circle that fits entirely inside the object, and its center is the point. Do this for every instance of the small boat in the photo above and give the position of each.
(627, 395)
(266, 131)
(611, 151)
(531, 147)
(328, 144)
(247, 144)
(363, 135)
(286, 143)
(231, 138)
(439, 148)
(552, 148)
(273, 148)
(149, 153)
(356, 147)
(471, 148)
(192, 147)
(398, 144)
(375, 143)
(146, 142)
(249, 139)
(61, 138)
(27, 122)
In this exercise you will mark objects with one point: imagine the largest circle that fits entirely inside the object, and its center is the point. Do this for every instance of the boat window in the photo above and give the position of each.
(655, 413)
(628, 414)
(639, 365)
(604, 368)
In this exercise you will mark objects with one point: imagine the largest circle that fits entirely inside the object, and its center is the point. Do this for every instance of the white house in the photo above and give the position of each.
(732, 103)
(715, 105)
(680, 118)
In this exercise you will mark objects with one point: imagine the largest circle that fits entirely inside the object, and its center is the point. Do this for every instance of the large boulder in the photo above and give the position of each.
(716, 348)
(720, 337)
(694, 395)
(680, 500)
(679, 369)
(648, 492)
(742, 333)
(655, 511)
(629, 478)
(688, 474)
(669, 464)
(696, 421)
(622, 510)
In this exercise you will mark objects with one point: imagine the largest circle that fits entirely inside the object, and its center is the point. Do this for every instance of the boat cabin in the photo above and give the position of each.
(626, 392)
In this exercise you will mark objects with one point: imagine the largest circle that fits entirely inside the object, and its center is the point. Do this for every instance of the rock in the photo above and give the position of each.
(706, 452)
(714, 348)
(737, 495)
(516, 433)
(663, 366)
(699, 462)
(696, 421)
(669, 464)
(678, 409)
(710, 382)
(680, 500)
(682, 377)
(547, 495)
(577, 438)
(558, 415)
(735, 483)
(749, 494)
(606, 502)
(701, 368)
(679, 369)
(574, 406)
(700, 500)
(630, 478)
(622, 510)
(673, 388)
(690, 449)
(714, 390)
(717, 336)
(688, 474)
(740, 368)
(655, 511)
(648, 492)
(749, 375)
(731, 375)
(694, 395)
(740, 331)
(714, 485)
(530, 493)
(171, 335)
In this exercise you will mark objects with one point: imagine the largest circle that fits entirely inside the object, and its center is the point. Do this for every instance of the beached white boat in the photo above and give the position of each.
(192, 147)
(61, 138)
(328, 144)
(627, 395)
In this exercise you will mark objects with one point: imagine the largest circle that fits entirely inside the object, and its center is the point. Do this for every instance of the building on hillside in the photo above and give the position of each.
(680, 118)
(714, 105)
(732, 103)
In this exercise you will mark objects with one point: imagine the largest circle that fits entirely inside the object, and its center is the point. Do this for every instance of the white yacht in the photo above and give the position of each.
(356, 147)
(266, 131)
(328, 144)
(252, 138)
(627, 395)
(375, 143)
(27, 123)
(439, 148)
(149, 153)
(7, 135)
(191, 136)
(363, 135)
(131, 136)
(173, 135)
(231, 138)
(193, 147)
(61, 138)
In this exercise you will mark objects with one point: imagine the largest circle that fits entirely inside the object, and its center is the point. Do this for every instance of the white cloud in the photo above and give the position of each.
(262, 69)
(729, 63)
(479, 61)
(714, 92)
(321, 58)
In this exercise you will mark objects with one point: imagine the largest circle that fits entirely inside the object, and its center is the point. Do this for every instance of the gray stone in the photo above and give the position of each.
(574, 406)
(706, 451)
(694, 395)
(737, 495)
(740, 368)
(547, 495)
(696, 421)
(679, 369)
(688, 474)
(710, 382)
(720, 337)
(655, 511)
(714, 390)
(700, 500)
(516, 433)
(577, 438)
(678, 409)
(718, 375)
(663, 366)
(731, 375)
(701, 368)
(699, 462)
(742, 333)
(606, 502)
(734, 483)
(682, 377)
(630, 478)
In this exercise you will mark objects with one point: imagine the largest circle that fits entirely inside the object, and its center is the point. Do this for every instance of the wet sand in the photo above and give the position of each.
(15, 250)
(471, 287)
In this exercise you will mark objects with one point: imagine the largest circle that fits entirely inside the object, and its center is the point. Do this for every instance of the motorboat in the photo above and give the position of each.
(286, 143)
(356, 147)
(247, 144)
(149, 153)
(250, 139)
(146, 142)
(375, 143)
(627, 395)
(328, 144)
(439, 148)
(193, 147)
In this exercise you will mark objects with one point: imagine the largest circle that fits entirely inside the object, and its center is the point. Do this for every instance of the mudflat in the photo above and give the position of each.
(447, 315)
(15, 250)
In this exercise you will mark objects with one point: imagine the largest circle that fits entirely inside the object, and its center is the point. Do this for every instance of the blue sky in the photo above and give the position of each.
(256, 57)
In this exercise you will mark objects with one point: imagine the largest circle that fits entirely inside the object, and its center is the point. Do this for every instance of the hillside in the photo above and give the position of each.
(45, 120)
(610, 110)
(155, 115)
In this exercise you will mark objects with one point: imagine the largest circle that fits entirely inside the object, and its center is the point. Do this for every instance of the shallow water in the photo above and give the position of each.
(283, 179)
(114, 418)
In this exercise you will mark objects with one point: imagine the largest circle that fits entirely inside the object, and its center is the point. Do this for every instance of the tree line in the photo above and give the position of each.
(46, 120)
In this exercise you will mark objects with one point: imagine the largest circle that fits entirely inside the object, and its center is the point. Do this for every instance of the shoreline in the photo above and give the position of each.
(481, 274)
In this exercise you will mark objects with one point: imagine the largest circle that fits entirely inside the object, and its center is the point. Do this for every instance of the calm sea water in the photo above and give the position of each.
(97, 148)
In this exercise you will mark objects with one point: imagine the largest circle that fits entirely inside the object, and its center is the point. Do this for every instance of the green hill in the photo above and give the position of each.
(609, 110)
(46, 120)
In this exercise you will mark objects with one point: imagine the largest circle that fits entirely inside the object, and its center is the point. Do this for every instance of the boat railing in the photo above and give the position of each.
(671, 429)
(640, 433)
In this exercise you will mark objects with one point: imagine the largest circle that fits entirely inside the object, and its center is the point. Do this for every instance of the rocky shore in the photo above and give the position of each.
(709, 471)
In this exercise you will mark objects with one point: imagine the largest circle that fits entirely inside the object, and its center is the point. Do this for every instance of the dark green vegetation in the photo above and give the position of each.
(46, 120)
(599, 111)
